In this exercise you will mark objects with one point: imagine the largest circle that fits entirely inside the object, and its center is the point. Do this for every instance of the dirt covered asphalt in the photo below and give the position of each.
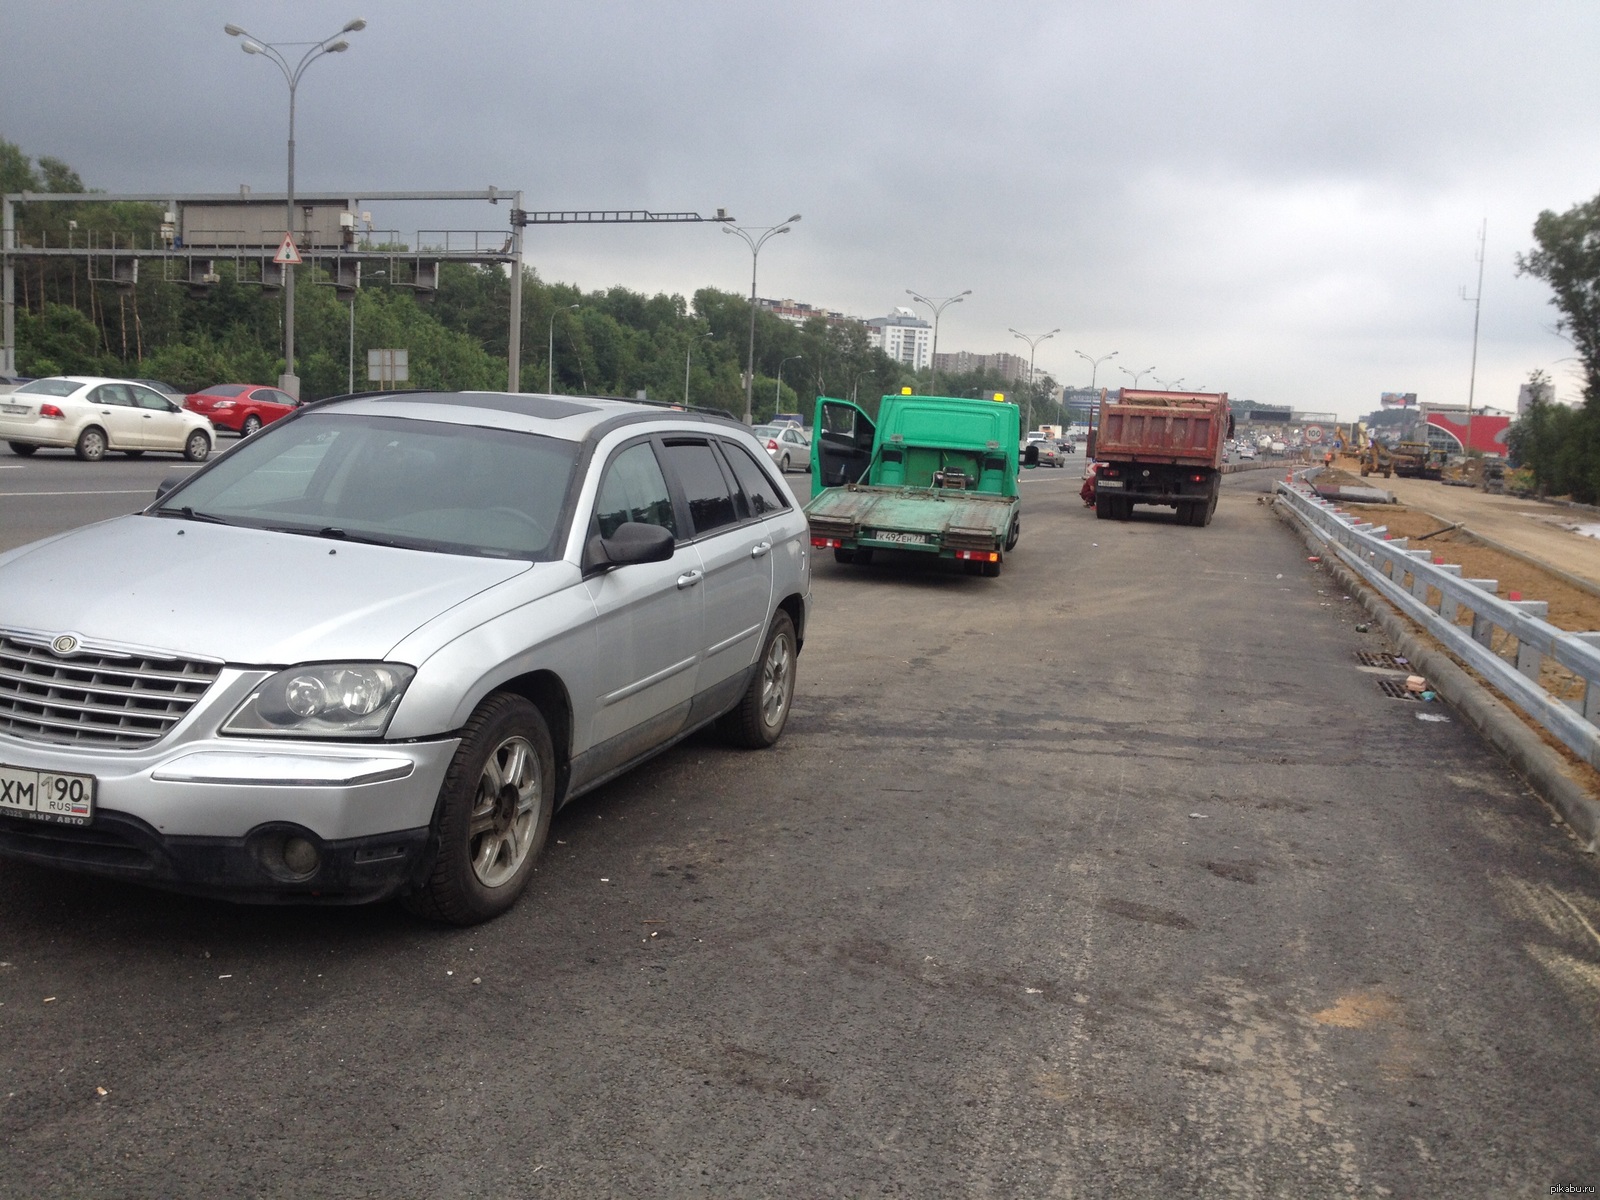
(1116, 875)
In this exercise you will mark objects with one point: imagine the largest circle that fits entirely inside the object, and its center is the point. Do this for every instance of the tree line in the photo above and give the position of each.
(1561, 445)
(612, 341)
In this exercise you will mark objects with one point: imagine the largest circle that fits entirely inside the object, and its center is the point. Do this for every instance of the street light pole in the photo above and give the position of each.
(254, 45)
(550, 354)
(755, 243)
(938, 305)
(1136, 375)
(1094, 364)
(777, 392)
(687, 355)
(1033, 342)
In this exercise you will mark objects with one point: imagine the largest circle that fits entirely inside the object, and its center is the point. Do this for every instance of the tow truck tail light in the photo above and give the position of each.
(826, 543)
(52, 412)
(978, 555)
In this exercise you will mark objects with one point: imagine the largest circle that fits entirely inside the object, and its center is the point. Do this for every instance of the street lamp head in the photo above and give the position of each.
(355, 26)
(341, 44)
(968, 292)
(250, 47)
(794, 218)
(233, 30)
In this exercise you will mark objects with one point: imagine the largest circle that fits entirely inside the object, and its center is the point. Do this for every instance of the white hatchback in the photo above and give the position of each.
(90, 415)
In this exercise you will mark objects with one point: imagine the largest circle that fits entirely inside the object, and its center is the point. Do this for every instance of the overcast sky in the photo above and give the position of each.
(1279, 200)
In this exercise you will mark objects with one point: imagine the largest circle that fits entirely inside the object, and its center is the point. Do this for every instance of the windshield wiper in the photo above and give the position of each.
(337, 534)
(189, 514)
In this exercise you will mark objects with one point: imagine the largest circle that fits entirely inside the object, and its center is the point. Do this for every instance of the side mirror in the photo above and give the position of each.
(1030, 456)
(633, 542)
(167, 484)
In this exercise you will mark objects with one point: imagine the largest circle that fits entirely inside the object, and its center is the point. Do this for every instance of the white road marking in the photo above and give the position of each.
(125, 492)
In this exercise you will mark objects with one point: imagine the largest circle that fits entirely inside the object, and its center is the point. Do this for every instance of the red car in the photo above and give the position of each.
(241, 407)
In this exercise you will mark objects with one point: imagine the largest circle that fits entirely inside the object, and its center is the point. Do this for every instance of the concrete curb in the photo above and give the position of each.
(1543, 768)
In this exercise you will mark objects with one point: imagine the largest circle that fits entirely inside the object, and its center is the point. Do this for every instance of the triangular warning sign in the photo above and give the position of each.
(287, 255)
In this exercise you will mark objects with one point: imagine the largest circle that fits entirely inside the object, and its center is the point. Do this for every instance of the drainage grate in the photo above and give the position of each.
(1395, 689)
(1375, 658)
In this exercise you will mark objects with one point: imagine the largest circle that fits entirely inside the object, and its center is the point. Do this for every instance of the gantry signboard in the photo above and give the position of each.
(320, 223)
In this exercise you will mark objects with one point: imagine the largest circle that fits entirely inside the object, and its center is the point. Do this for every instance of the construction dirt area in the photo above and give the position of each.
(1453, 521)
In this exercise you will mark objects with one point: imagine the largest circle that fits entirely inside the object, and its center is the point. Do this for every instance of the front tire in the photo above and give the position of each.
(1013, 534)
(763, 711)
(197, 448)
(493, 814)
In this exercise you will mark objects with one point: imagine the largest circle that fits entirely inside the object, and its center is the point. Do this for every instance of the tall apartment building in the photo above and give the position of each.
(903, 336)
(1012, 367)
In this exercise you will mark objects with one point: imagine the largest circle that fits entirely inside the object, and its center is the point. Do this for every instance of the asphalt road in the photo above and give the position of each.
(1116, 875)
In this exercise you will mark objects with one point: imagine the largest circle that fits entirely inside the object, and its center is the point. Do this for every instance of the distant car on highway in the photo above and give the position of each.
(787, 445)
(1049, 454)
(89, 415)
(241, 407)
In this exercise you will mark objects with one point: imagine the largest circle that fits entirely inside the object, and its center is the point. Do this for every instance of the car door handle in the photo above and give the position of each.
(688, 579)
(760, 548)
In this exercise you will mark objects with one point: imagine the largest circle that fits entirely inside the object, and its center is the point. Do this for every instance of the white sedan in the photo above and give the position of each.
(90, 415)
(788, 446)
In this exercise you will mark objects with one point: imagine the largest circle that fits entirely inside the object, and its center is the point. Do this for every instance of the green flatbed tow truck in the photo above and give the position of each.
(932, 475)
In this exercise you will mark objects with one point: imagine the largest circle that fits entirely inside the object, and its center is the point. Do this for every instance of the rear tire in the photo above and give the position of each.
(758, 720)
(493, 814)
(1014, 533)
(252, 424)
(91, 445)
(863, 556)
(991, 570)
(843, 557)
(22, 449)
(1103, 508)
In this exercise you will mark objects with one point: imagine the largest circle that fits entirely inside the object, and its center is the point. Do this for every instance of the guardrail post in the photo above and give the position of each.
(1590, 706)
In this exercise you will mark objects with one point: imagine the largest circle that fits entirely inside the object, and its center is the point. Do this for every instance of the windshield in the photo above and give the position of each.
(51, 387)
(427, 485)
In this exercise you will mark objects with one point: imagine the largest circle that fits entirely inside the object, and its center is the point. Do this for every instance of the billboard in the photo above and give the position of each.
(1398, 399)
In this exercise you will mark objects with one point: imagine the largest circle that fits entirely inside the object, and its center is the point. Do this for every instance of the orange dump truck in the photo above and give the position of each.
(1160, 448)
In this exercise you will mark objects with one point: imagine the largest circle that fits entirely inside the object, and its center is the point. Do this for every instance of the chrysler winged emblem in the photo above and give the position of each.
(65, 644)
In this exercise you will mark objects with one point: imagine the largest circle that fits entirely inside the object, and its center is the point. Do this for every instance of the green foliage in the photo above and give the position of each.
(1561, 446)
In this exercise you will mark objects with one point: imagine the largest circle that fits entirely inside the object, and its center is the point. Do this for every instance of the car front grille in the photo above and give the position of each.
(95, 698)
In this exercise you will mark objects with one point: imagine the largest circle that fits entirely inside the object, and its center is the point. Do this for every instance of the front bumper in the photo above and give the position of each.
(251, 869)
(215, 816)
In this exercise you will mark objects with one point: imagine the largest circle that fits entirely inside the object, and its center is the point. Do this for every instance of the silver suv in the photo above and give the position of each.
(370, 651)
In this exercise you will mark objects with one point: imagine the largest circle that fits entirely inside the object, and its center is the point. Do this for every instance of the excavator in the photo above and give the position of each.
(1409, 460)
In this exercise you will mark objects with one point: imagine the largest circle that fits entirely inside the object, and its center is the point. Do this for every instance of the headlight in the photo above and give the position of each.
(324, 700)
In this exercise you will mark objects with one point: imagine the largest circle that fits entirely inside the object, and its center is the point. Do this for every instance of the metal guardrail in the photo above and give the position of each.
(1411, 579)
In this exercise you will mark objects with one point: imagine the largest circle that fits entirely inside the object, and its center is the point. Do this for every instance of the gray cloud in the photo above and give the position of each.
(1275, 200)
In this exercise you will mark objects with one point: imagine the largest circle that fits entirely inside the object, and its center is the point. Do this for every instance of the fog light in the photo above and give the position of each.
(300, 856)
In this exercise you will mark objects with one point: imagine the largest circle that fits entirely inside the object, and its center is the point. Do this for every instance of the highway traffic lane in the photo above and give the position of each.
(49, 494)
(1113, 873)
